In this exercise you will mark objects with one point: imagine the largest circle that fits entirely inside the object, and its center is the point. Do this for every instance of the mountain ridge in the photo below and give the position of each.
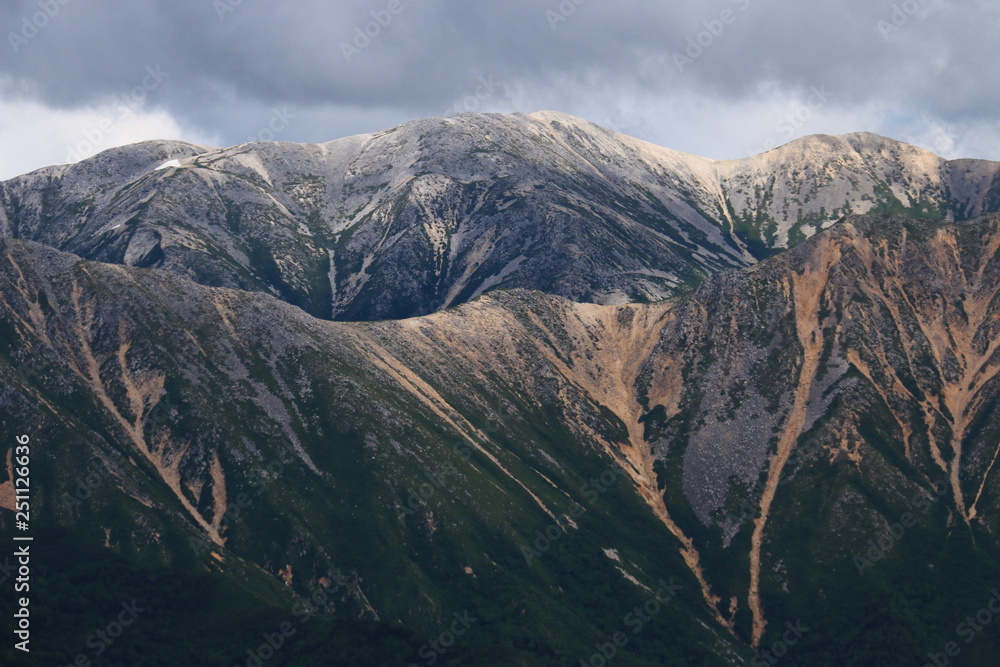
(582, 370)
(823, 343)
(431, 213)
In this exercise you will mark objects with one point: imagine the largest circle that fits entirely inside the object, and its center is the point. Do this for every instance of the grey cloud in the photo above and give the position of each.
(228, 67)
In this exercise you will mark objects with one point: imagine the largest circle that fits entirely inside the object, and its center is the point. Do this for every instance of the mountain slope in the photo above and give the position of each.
(432, 213)
(230, 432)
(804, 409)
(753, 440)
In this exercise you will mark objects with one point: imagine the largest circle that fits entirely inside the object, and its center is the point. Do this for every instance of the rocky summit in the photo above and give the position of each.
(508, 390)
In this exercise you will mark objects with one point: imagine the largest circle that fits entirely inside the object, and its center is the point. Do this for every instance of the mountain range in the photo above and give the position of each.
(435, 212)
(507, 389)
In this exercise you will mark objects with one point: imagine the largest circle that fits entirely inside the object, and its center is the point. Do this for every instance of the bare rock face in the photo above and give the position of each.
(430, 214)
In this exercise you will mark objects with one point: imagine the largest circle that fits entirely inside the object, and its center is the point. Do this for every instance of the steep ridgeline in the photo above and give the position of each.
(435, 212)
(810, 441)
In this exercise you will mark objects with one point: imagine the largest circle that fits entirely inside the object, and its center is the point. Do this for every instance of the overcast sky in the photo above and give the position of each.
(719, 78)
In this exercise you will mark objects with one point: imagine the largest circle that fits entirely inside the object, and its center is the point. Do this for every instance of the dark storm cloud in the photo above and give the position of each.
(230, 63)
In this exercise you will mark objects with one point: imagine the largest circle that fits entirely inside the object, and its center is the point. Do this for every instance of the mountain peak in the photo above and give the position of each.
(550, 116)
(853, 142)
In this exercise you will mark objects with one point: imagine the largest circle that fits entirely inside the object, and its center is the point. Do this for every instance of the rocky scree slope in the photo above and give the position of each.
(798, 409)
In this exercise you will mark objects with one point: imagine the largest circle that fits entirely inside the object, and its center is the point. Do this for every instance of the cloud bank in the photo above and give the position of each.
(723, 79)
